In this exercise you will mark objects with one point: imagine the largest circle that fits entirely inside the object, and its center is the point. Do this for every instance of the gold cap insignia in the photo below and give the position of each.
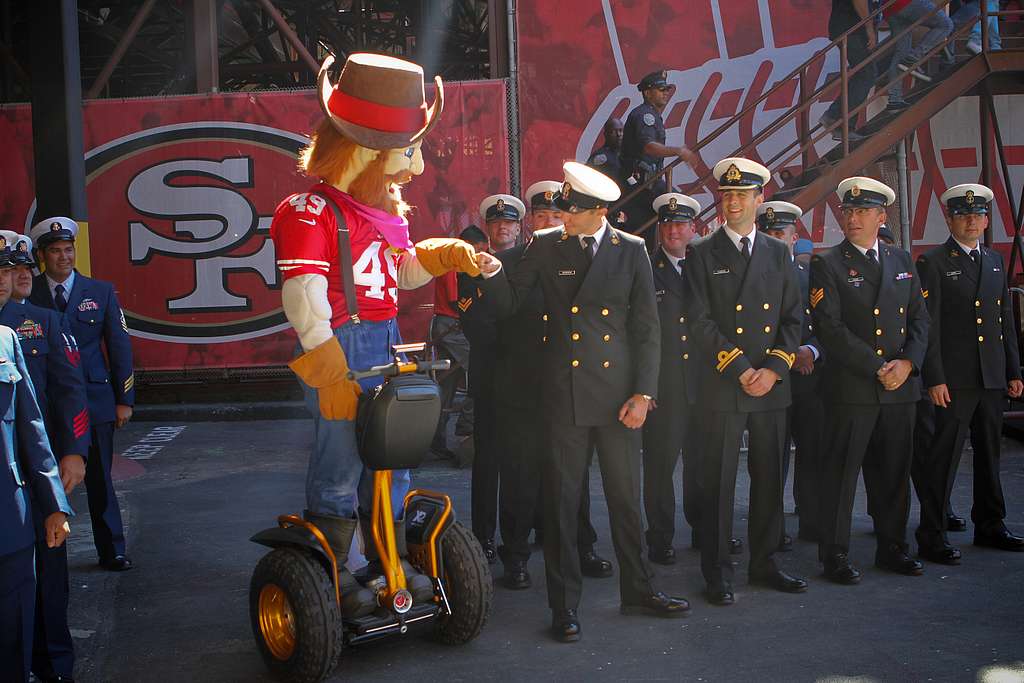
(549, 195)
(770, 213)
(733, 174)
(3, 243)
(969, 196)
(500, 205)
(672, 203)
(855, 191)
(54, 226)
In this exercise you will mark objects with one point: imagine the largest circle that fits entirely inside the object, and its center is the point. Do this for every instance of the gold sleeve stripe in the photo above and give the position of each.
(816, 296)
(726, 357)
(464, 304)
(789, 358)
(129, 383)
(924, 293)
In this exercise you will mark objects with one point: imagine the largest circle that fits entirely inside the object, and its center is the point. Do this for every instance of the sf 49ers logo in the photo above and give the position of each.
(186, 242)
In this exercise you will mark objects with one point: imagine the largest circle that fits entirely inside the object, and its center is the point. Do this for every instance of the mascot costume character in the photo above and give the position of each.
(363, 151)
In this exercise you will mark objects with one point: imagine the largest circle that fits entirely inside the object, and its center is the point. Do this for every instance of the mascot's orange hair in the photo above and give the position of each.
(329, 155)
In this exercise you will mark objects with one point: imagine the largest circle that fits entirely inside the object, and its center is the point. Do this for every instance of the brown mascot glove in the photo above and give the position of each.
(325, 368)
(440, 255)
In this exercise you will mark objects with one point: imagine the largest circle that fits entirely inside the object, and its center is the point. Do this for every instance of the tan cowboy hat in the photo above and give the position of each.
(379, 101)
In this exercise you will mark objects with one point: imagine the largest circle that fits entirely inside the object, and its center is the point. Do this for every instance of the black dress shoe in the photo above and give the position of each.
(735, 546)
(565, 625)
(780, 581)
(954, 523)
(595, 566)
(786, 544)
(839, 570)
(516, 575)
(662, 555)
(658, 605)
(490, 552)
(117, 563)
(720, 595)
(895, 559)
(1001, 539)
(942, 553)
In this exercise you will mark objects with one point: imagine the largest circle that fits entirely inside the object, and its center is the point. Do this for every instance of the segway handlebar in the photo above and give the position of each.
(400, 368)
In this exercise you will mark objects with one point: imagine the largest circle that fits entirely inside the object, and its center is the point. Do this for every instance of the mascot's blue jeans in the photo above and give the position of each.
(337, 482)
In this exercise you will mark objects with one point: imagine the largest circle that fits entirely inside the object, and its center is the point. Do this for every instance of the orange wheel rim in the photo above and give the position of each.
(277, 621)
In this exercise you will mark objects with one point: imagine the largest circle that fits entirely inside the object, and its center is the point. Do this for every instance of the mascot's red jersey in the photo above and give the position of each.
(305, 236)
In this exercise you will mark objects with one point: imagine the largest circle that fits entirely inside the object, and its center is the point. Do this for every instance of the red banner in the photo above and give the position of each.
(581, 61)
(181, 192)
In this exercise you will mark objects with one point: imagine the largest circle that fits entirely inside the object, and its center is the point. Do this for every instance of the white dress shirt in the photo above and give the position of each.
(736, 237)
(598, 236)
(864, 250)
(967, 249)
(675, 261)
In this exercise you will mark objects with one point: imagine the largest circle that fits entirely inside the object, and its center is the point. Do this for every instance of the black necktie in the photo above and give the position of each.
(588, 246)
(873, 259)
(58, 298)
(745, 241)
(975, 256)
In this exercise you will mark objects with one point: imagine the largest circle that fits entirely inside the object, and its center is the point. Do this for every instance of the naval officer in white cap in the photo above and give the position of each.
(744, 312)
(972, 361)
(600, 364)
(870, 317)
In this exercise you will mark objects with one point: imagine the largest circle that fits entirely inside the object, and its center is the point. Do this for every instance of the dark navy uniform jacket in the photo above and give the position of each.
(518, 374)
(644, 124)
(865, 316)
(481, 329)
(53, 361)
(30, 476)
(606, 160)
(972, 341)
(742, 315)
(95, 318)
(678, 376)
(603, 335)
(803, 384)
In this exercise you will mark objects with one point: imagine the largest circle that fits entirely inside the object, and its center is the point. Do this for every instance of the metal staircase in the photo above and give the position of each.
(985, 74)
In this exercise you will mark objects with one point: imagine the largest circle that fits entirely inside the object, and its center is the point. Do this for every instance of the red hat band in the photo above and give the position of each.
(381, 117)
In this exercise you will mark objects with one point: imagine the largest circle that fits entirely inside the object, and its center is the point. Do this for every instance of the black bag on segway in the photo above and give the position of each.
(396, 421)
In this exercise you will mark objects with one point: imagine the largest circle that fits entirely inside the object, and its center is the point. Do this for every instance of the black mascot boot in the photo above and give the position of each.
(356, 601)
(420, 585)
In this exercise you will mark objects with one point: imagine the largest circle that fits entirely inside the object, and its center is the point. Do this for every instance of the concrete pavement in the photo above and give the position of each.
(193, 496)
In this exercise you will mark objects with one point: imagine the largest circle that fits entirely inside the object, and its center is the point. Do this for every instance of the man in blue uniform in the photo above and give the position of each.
(606, 157)
(90, 309)
(644, 150)
(30, 488)
(52, 358)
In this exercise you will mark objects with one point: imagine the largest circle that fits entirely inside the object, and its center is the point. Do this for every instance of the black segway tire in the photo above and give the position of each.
(468, 585)
(299, 637)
